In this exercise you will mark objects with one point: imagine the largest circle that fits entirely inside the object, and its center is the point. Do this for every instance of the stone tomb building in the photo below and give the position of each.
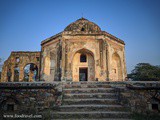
(82, 52)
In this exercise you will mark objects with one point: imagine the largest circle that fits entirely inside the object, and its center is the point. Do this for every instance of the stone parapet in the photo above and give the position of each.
(28, 98)
(141, 97)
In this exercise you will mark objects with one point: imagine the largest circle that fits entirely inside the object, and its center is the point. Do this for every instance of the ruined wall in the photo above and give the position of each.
(28, 98)
(141, 97)
(50, 65)
(57, 62)
(16, 63)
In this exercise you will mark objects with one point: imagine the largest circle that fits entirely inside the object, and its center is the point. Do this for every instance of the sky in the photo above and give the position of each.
(25, 23)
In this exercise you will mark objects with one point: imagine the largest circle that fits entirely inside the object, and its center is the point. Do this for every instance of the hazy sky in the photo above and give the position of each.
(25, 23)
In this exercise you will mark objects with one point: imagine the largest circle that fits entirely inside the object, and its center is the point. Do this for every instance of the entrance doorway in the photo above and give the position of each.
(83, 74)
(83, 66)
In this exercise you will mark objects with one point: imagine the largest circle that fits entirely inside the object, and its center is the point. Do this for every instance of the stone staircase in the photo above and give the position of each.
(90, 101)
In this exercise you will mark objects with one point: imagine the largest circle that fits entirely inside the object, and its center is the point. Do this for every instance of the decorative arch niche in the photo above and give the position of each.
(47, 64)
(116, 68)
(49, 70)
(10, 104)
(52, 64)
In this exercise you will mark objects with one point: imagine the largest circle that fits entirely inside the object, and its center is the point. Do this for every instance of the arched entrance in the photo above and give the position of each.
(83, 66)
(9, 104)
(30, 72)
(116, 73)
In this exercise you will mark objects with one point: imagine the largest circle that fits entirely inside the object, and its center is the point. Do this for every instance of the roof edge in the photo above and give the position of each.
(50, 38)
(25, 51)
(114, 37)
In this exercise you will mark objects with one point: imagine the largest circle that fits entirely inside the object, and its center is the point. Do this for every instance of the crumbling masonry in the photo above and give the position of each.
(82, 52)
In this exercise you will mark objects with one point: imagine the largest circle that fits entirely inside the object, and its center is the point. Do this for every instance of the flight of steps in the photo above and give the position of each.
(90, 101)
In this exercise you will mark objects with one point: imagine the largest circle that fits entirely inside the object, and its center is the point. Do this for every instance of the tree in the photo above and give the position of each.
(145, 72)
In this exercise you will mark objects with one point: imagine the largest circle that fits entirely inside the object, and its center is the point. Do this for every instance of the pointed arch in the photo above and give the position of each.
(84, 69)
(116, 67)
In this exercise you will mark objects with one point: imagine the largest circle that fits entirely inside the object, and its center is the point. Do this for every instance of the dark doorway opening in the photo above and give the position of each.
(10, 107)
(155, 107)
(83, 74)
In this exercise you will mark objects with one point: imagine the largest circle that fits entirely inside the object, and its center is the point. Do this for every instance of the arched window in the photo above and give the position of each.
(82, 29)
(17, 59)
(83, 58)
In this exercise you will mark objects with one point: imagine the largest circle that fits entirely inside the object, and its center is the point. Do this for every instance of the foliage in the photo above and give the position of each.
(145, 72)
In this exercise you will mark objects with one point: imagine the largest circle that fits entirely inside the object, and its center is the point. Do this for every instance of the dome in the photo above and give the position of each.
(83, 25)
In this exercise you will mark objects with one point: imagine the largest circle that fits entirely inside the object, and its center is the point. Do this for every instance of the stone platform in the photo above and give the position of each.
(80, 100)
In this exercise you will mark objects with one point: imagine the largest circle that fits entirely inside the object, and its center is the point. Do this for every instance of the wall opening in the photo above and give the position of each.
(83, 58)
(37, 58)
(30, 72)
(83, 66)
(155, 107)
(16, 74)
(83, 74)
(17, 59)
(9, 75)
(82, 29)
(9, 104)
(10, 107)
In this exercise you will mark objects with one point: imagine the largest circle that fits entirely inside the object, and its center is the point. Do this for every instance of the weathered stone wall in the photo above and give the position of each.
(81, 44)
(82, 35)
(116, 60)
(19, 60)
(51, 57)
(28, 98)
(140, 97)
(109, 59)
(57, 60)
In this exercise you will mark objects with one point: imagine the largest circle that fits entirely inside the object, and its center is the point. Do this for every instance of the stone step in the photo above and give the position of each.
(90, 82)
(89, 101)
(89, 90)
(93, 114)
(96, 119)
(89, 95)
(87, 86)
(92, 107)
